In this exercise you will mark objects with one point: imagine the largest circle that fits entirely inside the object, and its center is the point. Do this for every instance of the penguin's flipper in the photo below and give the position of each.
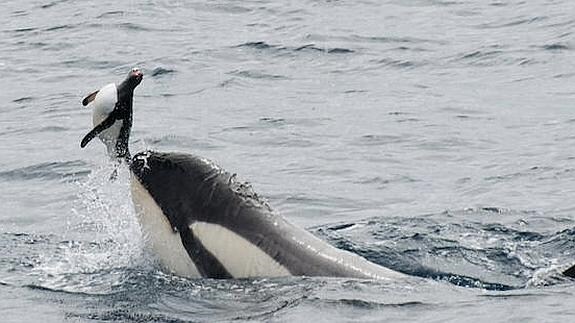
(89, 98)
(99, 128)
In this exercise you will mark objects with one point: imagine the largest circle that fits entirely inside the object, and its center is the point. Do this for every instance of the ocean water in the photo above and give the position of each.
(433, 137)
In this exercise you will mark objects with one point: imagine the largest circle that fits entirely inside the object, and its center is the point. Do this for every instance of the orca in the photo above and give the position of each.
(200, 221)
(225, 228)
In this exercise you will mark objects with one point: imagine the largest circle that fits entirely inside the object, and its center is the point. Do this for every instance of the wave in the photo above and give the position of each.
(515, 22)
(555, 47)
(254, 74)
(159, 71)
(375, 39)
(463, 248)
(48, 171)
(495, 56)
(370, 305)
(263, 46)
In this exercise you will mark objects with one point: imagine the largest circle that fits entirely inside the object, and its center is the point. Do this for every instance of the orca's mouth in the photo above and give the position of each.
(140, 165)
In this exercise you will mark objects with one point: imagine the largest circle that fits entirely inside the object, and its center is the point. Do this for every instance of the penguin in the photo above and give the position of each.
(112, 115)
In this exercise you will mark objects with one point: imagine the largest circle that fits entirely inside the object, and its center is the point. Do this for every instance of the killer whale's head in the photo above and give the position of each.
(184, 186)
(190, 188)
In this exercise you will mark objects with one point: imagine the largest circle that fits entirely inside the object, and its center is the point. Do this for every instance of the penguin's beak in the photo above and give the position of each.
(137, 73)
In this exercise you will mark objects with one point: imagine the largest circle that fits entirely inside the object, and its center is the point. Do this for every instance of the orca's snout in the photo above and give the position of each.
(140, 163)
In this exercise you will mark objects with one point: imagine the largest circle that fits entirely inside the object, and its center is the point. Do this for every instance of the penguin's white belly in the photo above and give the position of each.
(110, 137)
(103, 104)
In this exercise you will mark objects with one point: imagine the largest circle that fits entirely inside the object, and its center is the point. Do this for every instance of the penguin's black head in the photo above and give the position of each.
(134, 77)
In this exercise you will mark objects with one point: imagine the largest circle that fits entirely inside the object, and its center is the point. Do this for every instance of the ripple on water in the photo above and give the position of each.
(466, 251)
(48, 171)
(381, 140)
(23, 99)
(556, 47)
(398, 63)
(309, 48)
(160, 71)
(255, 74)
(112, 13)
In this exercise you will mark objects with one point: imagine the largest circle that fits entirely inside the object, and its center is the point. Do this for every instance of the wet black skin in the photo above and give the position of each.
(189, 188)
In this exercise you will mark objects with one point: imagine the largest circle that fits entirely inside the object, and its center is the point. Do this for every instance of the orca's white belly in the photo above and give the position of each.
(165, 243)
(240, 257)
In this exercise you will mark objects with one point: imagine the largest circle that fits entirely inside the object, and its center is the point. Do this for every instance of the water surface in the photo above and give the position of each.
(432, 137)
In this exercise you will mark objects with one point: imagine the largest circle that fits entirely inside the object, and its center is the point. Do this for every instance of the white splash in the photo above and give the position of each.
(103, 237)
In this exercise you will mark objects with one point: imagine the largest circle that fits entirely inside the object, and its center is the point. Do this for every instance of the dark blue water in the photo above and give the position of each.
(432, 137)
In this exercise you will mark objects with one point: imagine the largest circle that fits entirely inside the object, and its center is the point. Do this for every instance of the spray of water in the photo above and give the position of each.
(102, 239)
